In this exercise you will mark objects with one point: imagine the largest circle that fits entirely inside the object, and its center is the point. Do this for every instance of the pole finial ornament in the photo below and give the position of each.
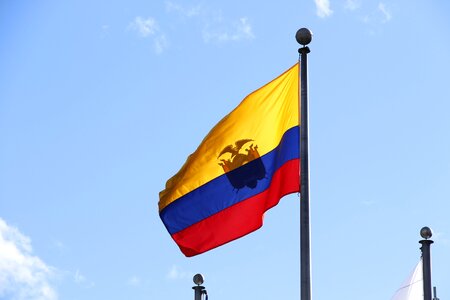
(303, 36)
(198, 279)
(426, 232)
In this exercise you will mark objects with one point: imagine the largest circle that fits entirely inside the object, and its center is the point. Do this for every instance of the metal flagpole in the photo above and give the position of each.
(199, 290)
(426, 233)
(303, 37)
(434, 294)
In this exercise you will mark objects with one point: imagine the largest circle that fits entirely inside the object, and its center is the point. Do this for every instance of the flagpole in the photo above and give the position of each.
(303, 37)
(426, 233)
(199, 290)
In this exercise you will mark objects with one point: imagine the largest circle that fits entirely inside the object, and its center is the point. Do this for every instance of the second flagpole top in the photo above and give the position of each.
(303, 36)
(426, 232)
(198, 279)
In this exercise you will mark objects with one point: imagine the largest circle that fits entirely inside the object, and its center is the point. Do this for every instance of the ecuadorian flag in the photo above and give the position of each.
(246, 163)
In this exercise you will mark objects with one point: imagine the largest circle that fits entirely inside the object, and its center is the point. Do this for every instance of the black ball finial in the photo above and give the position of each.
(426, 233)
(303, 36)
(198, 279)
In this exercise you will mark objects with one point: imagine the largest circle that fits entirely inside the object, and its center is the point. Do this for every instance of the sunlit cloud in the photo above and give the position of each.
(365, 19)
(386, 14)
(182, 10)
(175, 273)
(149, 28)
(78, 277)
(440, 237)
(145, 27)
(352, 4)
(134, 281)
(160, 43)
(244, 29)
(377, 17)
(323, 9)
(104, 31)
(367, 202)
(81, 280)
(59, 246)
(216, 28)
(23, 276)
(240, 30)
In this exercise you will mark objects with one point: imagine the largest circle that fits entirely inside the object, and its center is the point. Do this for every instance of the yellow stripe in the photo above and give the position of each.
(263, 116)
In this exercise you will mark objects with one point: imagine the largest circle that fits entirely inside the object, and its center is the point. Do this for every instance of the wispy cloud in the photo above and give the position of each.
(149, 28)
(175, 273)
(352, 4)
(58, 245)
(134, 281)
(145, 27)
(385, 12)
(78, 277)
(367, 202)
(81, 280)
(441, 238)
(377, 17)
(323, 9)
(216, 28)
(104, 31)
(160, 43)
(184, 11)
(240, 30)
(22, 275)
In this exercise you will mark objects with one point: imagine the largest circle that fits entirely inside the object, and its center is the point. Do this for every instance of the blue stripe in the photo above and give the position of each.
(219, 193)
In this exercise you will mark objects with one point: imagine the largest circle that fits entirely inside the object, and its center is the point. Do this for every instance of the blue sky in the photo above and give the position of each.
(102, 101)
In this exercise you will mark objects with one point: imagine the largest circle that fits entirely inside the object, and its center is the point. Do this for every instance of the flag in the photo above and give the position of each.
(242, 168)
(412, 288)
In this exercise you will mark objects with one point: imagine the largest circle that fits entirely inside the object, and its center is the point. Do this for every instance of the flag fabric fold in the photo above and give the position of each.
(242, 168)
(412, 287)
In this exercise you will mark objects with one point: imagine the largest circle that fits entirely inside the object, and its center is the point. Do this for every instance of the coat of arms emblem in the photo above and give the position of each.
(244, 167)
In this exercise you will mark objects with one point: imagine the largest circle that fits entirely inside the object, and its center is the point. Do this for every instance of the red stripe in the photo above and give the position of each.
(241, 218)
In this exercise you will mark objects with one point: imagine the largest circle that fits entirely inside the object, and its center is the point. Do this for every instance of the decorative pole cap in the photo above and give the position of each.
(198, 279)
(426, 232)
(303, 36)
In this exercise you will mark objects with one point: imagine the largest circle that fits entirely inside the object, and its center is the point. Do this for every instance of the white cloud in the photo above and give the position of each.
(149, 28)
(145, 27)
(175, 273)
(377, 17)
(104, 31)
(441, 238)
(160, 43)
(323, 9)
(215, 27)
(352, 4)
(78, 277)
(58, 245)
(365, 19)
(134, 281)
(81, 280)
(367, 202)
(23, 276)
(244, 29)
(184, 11)
(385, 12)
(240, 30)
